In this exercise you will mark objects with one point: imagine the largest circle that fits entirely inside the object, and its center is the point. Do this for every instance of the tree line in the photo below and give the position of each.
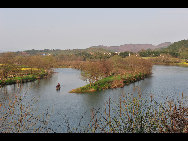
(177, 49)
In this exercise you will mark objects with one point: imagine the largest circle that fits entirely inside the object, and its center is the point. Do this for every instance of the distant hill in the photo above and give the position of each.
(177, 49)
(133, 47)
(163, 45)
(177, 46)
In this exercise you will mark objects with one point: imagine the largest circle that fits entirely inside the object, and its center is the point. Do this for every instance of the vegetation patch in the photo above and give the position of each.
(35, 69)
(112, 73)
(23, 79)
(109, 83)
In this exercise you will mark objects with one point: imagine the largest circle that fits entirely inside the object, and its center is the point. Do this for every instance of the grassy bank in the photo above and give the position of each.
(170, 61)
(110, 82)
(173, 64)
(113, 73)
(183, 64)
(23, 79)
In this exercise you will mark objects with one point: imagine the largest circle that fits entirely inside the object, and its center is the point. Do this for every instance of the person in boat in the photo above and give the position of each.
(58, 85)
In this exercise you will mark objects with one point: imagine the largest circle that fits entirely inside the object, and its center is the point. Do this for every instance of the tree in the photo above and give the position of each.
(8, 66)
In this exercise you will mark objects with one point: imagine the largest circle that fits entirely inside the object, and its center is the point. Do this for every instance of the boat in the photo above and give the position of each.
(58, 87)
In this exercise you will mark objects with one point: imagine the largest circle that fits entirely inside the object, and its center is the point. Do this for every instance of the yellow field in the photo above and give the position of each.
(25, 68)
(148, 57)
(29, 69)
(183, 63)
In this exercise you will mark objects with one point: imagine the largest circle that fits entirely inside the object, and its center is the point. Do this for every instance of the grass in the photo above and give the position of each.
(185, 64)
(23, 74)
(109, 83)
(148, 57)
(22, 79)
(172, 61)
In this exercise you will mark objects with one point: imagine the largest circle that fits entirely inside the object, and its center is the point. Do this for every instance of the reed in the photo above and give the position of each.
(130, 114)
(20, 116)
(134, 114)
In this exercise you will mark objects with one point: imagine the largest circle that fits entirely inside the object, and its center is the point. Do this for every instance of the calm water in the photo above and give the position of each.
(166, 81)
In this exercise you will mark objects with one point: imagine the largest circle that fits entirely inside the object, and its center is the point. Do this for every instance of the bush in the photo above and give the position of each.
(134, 114)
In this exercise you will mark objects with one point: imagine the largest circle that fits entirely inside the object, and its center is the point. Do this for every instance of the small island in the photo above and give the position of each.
(113, 73)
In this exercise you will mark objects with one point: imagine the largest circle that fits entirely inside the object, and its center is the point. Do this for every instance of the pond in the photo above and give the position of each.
(165, 81)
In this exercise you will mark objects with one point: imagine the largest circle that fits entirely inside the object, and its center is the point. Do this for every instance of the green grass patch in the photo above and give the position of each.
(22, 79)
(109, 82)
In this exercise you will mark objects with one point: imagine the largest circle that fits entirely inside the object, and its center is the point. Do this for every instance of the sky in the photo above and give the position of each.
(78, 28)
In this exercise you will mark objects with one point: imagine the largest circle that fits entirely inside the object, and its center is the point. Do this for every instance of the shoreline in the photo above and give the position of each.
(110, 82)
(172, 64)
(24, 79)
(87, 88)
(182, 63)
(93, 88)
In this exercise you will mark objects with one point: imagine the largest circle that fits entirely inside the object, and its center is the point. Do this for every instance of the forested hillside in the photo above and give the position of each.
(178, 49)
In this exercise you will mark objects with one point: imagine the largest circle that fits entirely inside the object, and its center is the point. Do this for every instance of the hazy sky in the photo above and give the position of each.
(71, 28)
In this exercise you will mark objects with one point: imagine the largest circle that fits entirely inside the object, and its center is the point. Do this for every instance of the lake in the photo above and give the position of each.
(165, 81)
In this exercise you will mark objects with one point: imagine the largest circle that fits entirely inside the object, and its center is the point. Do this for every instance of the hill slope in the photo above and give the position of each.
(178, 49)
(134, 47)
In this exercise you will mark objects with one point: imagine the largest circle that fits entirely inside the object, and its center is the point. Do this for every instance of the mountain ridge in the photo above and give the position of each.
(133, 47)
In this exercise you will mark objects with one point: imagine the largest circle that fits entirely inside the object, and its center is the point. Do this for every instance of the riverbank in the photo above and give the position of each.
(168, 61)
(113, 73)
(166, 81)
(110, 83)
(25, 78)
(173, 64)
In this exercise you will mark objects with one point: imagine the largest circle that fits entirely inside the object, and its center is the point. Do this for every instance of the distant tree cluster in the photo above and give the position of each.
(149, 53)
(178, 49)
